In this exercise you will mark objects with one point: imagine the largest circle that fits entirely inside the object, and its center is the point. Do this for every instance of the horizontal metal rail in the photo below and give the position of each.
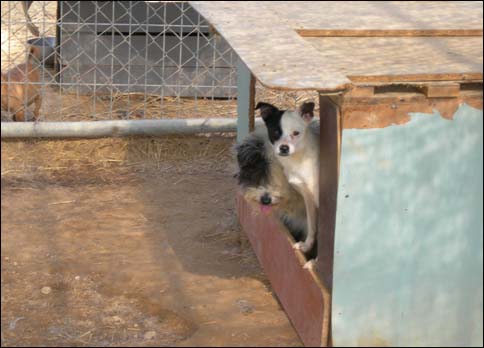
(118, 128)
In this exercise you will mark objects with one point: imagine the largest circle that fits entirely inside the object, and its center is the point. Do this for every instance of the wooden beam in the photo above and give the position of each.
(388, 32)
(386, 109)
(362, 91)
(441, 90)
(384, 79)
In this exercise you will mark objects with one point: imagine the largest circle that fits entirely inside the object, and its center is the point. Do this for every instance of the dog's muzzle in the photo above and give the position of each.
(265, 199)
(284, 150)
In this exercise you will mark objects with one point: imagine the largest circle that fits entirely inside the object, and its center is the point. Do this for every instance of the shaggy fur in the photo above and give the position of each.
(263, 182)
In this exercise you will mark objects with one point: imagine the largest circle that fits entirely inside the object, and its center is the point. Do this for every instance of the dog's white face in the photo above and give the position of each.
(293, 128)
(286, 129)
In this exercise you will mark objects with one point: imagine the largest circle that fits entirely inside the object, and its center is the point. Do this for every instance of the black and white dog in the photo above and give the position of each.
(264, 184)
(295, 142)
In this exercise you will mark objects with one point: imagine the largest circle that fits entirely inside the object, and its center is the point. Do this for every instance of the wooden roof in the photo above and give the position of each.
(329, 46)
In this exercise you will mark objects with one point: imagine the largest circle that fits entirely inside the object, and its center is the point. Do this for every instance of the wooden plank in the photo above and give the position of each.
(273, 52)
(441, 90)
(384, 110)
(379, 15)
(298, 289)
(282, 59)
(387, 32)
(409, 59)
(362, 91)
(330, 123)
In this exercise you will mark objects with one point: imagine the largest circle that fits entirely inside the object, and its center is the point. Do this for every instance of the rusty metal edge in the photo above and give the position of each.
(299, 290)
(330, 144)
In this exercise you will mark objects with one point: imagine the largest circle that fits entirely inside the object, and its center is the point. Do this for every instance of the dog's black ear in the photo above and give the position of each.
(266, 109)
(306, 110)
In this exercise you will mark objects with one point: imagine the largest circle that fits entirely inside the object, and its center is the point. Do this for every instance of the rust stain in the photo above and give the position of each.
(381, 111)
(283, 266)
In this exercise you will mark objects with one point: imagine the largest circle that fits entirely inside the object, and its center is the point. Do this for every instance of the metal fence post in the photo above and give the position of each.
(245, 100)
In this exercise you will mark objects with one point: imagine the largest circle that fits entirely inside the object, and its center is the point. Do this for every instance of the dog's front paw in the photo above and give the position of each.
(311, 264)
(304, 247)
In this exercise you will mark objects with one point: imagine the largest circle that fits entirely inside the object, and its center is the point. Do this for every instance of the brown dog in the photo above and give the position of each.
(17, 91)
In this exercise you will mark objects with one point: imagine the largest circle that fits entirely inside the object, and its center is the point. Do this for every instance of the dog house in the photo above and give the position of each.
(401, 186)
(157, 47)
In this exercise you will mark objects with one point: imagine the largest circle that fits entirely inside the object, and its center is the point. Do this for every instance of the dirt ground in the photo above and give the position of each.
(129, 243)
(122, 242)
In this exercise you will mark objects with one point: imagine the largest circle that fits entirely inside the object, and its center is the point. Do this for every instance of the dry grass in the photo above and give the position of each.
(36, 159)
(31, 164)
(71, 107)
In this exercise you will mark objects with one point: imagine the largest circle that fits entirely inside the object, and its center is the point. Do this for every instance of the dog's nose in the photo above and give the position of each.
(284, 149)
(266, 199)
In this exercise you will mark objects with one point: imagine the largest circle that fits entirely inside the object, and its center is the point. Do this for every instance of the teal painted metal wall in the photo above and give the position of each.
(409, 234)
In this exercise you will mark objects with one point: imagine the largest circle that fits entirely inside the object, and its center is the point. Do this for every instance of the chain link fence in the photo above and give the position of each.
(118, 60)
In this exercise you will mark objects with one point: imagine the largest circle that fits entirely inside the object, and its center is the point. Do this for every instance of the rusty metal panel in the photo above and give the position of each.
(331, 127)
(408, 266)
(296, 288)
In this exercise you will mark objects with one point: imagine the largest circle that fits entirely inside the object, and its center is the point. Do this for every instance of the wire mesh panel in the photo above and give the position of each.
(142, 46)
(115, 60)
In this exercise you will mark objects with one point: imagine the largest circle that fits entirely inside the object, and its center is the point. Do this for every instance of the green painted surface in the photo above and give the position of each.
(409, 234)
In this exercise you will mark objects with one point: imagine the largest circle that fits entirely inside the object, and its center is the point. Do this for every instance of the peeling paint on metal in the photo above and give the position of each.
(408, 266)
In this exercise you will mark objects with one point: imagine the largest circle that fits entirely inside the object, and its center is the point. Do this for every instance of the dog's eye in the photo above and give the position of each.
(295, 133)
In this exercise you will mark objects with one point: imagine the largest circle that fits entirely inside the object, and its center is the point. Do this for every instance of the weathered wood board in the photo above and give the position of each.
(273, 52)
(265, 36)
(334, 16)
(388, 59)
